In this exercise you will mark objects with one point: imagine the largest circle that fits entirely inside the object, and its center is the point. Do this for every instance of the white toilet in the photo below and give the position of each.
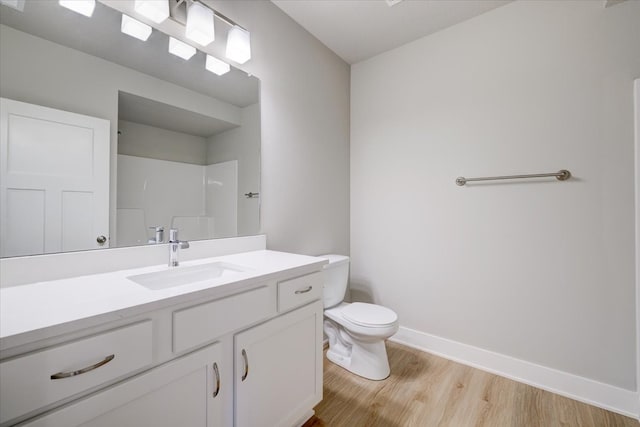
(356, 331)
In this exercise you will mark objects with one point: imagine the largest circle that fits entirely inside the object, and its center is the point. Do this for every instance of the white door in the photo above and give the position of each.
(278, 376)
(184, 392)
(54, 180)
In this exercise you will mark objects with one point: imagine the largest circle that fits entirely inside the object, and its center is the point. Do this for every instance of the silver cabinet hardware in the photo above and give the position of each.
(561, 175)
(251, 195)
(103, 362)
(101, 240)
(216, 372)
(304, 291)
(246, 365)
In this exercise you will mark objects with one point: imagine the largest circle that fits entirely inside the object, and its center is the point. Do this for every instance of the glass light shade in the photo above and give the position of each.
(181, 49)
(216, 66)
(200, 27)
(135, 28)
(83, 7)
(154, 10)
(239, 45)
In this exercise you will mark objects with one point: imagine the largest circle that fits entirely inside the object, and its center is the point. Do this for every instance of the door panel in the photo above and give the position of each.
(54, 180)
(279, 369)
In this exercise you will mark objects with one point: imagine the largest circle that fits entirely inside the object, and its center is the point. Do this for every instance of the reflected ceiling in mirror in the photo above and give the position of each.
(213, 122)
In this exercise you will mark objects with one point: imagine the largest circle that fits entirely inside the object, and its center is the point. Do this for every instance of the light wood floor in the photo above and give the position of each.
(424, 390)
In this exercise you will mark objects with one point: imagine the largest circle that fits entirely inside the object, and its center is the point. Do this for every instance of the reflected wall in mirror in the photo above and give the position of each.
(181, 146)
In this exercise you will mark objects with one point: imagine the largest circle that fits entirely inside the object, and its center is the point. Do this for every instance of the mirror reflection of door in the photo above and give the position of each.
(54, 180)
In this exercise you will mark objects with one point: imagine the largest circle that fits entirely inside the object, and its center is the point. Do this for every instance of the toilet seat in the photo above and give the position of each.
(369, 315)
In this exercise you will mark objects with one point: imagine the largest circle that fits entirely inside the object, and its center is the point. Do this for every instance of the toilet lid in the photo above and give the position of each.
(369, 314)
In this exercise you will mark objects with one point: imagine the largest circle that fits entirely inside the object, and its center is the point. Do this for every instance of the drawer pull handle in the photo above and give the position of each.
(304, 291)
(103, 362)
(246, 365)
(217, 374)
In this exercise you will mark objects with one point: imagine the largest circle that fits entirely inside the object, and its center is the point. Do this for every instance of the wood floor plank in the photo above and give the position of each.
(425, 390)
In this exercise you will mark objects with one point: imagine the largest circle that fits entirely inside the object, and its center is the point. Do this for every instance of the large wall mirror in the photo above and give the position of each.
(106, 139)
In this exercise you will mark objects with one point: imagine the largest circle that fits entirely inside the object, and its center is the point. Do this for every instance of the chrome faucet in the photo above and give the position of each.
(159, 237)
(174, 245)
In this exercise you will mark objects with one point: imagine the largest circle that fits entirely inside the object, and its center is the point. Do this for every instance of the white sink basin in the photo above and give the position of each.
(178, 276)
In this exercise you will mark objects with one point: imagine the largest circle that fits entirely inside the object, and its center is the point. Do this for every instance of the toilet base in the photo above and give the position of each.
(366, 359)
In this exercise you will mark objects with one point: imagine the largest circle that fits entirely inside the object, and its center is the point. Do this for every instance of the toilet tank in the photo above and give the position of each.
(336, 277)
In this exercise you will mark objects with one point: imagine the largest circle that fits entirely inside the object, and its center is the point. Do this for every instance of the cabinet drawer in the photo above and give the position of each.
(197, 325)
(178, 393)
(39, 379)
(299, 291)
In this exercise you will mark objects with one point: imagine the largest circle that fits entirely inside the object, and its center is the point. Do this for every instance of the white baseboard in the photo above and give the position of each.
(595, 393)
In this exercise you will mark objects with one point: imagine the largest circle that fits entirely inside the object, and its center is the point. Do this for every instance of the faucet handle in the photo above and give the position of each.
(173, 235)
(157, 228)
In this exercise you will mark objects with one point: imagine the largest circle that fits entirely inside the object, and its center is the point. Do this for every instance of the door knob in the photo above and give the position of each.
(101, 240)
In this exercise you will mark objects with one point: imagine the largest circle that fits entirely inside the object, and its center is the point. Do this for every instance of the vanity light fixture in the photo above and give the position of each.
(83, 7)
(154, 10)
(135, 28)
(238, 45)
(200, 27)
(181, 49)
(216, 66)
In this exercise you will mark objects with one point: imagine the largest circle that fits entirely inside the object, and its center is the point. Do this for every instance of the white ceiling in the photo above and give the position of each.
(359, 29)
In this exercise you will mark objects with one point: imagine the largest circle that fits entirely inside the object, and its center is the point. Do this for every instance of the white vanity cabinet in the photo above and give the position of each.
(246, 355)
(278, 376)
(183, 392)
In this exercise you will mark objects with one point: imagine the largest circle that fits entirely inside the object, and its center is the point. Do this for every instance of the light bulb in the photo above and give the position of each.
(216, 66)
(239, 45)
(181, 49)
(83, 7)
(135, 28)
(200, 27)
(154, 10)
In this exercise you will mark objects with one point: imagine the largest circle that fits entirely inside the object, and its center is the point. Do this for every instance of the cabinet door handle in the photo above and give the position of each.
(304, 291)
(216, 372)
(246, 365)
(104, 361)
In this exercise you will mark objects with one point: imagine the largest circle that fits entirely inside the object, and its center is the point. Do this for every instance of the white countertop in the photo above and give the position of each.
(44, 309)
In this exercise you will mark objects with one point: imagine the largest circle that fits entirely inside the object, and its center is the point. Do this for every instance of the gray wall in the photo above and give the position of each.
(305, 131)
(541, 271)
(140, 140)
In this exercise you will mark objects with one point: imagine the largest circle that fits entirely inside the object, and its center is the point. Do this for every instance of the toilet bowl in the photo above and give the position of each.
(356, 331)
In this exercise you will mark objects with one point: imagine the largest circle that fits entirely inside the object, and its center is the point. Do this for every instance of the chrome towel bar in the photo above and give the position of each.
(561, 175)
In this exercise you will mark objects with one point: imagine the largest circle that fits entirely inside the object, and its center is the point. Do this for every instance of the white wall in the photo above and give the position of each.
(160, 189)
(242, 144)
(221, 197)
(305, 131)
(637, 149)
(541, 271)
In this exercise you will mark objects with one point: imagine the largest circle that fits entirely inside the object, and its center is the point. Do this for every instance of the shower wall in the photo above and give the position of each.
(200, 201)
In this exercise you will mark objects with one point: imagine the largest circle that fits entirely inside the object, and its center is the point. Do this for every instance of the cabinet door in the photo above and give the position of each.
(278, 376)
(178, 393)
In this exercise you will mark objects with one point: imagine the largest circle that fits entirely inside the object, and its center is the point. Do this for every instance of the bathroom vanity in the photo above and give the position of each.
(237, 343)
